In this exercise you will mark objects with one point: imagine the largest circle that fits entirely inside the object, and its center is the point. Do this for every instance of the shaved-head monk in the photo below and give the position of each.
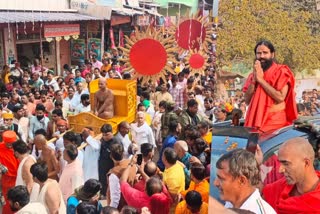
(103, 101)
(299, 190)
(48, 156)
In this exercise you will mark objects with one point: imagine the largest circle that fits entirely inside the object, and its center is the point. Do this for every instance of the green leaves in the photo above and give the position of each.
(247, 21)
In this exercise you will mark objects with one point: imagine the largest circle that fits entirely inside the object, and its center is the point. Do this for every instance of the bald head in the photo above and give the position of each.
(150, 168)
(181, 144)
(102, 83)
(40, 140)
(296, 157)
(298, 147)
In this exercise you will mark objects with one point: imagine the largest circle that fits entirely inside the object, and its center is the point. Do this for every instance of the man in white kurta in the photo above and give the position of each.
(123, 137)
(91, 156)
(19, 200)
(142, 132)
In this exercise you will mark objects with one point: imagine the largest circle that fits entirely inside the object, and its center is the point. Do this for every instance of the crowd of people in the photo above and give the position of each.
(160, 163)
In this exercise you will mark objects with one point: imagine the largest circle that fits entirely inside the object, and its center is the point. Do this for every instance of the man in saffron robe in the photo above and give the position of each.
(269, 92)
(299, 190)
(7, 158)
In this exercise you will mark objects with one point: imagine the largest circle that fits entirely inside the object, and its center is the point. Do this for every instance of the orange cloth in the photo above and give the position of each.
(208, 138)
(8, 179)
(9, 136)
(202, 188)
(105, 67)
(278, 196)
(258, 114)
(183, 209)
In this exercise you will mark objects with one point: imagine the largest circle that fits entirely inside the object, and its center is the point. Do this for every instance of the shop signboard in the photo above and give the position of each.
(94, 47)
(61, 30)
(143, 20)
(96, 8)
(77, 51)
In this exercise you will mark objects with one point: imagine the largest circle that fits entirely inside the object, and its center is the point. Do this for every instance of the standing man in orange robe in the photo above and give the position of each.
(269, 92)
(8, 160)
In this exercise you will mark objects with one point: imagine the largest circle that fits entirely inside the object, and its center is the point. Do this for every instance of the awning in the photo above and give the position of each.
(142, 10)
(127, 11)
(13, 17)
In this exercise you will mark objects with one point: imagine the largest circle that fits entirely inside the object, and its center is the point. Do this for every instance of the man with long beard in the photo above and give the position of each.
(269, 92)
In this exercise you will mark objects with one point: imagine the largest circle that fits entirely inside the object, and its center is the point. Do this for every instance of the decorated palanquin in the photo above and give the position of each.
(125, 99)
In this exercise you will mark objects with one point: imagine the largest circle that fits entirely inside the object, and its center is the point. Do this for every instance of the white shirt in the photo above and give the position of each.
(53, 83)
(81, 108)
(142, 134)
(76, 99)
(125, 142)
(115, 193)
(33, 208)
(255, 204)
(90, 159)
(97, 64)
(68, 101)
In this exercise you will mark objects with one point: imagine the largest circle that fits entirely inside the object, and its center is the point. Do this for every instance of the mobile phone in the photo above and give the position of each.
(252, 146)
(139, 159)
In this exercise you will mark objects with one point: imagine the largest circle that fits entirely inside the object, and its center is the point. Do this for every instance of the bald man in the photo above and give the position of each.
(48, 156)
(299, 190)
(103, 101)
(146, 170)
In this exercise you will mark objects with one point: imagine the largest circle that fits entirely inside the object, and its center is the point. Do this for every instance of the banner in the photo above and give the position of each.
(94, 47)
(61, 30)
(77, 51)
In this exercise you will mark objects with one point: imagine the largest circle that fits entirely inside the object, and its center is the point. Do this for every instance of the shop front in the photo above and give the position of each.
(26, 36)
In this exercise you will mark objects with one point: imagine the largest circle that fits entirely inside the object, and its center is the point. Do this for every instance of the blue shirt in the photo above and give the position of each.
(186, 161)
(73, 202)
(169, 141)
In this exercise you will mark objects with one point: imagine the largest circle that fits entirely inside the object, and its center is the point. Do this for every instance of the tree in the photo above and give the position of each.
(244, 22)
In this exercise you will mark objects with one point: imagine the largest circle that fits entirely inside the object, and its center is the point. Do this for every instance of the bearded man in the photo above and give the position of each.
(269, 92)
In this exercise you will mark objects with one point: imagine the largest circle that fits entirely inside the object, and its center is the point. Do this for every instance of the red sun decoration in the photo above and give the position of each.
(148, 57)
(196, 61)
(188, 39)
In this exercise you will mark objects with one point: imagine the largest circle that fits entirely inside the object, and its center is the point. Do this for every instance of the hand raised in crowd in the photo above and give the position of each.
(259, 155)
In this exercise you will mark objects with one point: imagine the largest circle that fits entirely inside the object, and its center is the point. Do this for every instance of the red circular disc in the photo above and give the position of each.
(184, 34)
(148, 57)
(196, 61)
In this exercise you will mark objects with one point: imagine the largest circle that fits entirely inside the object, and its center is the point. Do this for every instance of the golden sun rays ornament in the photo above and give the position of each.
(197, 61)
(149, 54)
(193, 33)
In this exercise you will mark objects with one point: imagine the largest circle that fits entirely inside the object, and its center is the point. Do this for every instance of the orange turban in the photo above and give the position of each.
(62, 123)
(9, 136)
